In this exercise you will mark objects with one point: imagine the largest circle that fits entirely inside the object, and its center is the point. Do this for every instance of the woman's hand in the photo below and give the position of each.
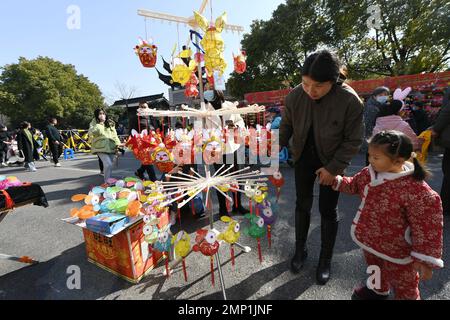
(425, 272)
(325, 178)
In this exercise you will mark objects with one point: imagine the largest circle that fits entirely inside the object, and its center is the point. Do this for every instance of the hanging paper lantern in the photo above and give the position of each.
(231, 235)
(182, 246)
(206, 243)
(163, 158)
(148, 54)
(212, 43)
(150, 229)
(142, 145)
(278, 181)
(212, 147)
(240, 62)
(269, 214)
(184, 150)
(256, 230)
(182, 73)
(191, 87)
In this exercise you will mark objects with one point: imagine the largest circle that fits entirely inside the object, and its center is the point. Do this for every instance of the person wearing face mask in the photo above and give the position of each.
(215, 100)
(27, 145)
(324, 116)
(104, 140)
(372, 107)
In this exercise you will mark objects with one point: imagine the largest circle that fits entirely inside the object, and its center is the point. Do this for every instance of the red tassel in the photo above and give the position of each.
(269, 236)
(184, 270)
(259, 250)
(184, 123)
(179, 215)
(167, 265)
(236, 199)
(232, 254)
(250, 206)
(257, 211)
(212, 272)
(228, 205)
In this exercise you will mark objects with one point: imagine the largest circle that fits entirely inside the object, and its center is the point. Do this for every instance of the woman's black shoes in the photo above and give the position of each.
(299, 258)
(323, 271)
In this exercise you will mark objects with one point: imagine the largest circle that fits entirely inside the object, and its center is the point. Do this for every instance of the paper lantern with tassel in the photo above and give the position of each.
(148, 54)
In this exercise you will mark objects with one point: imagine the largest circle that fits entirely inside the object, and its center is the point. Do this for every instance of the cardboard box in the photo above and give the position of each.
(108, 223)
(125, 253)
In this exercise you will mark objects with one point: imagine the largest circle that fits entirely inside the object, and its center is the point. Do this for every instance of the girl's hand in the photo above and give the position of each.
(425, 272)
(325, 178)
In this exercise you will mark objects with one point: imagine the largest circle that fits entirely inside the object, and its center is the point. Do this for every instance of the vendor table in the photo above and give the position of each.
(16, 197)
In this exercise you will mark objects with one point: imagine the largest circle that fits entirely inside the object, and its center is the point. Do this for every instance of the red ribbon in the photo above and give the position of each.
(9, 202)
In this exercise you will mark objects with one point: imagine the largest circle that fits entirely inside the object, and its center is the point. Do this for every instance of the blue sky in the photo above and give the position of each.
(102, 49)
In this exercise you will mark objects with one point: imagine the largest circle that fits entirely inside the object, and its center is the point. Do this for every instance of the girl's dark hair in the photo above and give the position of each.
(323, 66)
(24, 124)
(398, 145)
(97, 113)
(219, 98)
(390, 109)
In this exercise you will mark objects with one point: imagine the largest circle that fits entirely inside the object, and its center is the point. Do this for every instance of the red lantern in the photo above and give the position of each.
(148, 54)
(191, 90)
(240, 64)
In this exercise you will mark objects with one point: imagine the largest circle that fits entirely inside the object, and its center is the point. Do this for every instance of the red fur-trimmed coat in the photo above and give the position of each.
(400, 219)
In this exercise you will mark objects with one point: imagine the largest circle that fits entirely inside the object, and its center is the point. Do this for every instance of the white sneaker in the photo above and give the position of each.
(58, 165)
(4, 164)
(33, 167)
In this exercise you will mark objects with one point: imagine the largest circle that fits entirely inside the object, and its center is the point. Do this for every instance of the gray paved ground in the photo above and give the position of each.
(40, 233)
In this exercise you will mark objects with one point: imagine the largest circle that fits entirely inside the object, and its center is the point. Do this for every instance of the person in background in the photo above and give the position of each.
(441, 132)
(389, 119)
(5, 142)
(105, 142)
(54, 140)
(420, 117)
(27, 145)
(379, 97)
(275, 117)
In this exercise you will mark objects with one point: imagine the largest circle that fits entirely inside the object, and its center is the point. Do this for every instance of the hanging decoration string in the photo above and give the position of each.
(146, 34)
(178, 34)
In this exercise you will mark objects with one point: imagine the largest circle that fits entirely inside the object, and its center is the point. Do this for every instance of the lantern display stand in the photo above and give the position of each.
(193, 185)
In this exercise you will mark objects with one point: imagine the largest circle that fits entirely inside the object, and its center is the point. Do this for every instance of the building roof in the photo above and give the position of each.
(153, 101)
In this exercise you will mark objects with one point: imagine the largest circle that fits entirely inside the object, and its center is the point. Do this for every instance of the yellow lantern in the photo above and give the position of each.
(213, 43)
(182, 73)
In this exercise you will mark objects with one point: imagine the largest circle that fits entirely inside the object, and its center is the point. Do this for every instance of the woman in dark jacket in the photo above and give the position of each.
(324, 116)
(27, 145)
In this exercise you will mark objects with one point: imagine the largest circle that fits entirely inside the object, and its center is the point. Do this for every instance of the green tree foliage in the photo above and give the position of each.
(414, 37)
(34, 90)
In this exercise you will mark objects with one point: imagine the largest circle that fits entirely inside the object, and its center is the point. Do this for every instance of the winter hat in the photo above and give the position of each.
(380, 90)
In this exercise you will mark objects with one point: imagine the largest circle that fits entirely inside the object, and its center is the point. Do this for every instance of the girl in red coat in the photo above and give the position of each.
(399, 223)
